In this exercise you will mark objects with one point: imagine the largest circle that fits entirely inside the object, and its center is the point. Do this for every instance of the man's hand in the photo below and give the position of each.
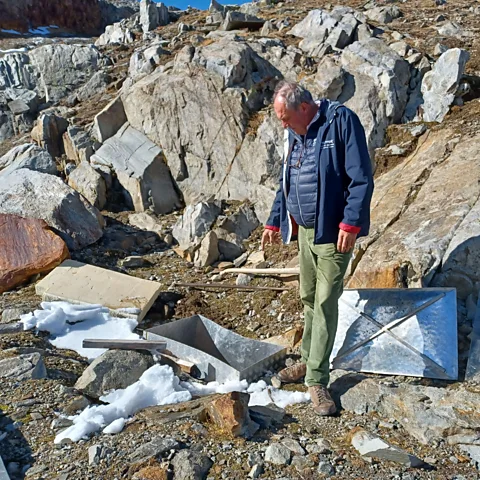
(346, 241)
(270, 236)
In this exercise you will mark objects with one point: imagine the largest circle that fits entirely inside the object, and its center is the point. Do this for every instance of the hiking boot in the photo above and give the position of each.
(292, 374)
(322, 401)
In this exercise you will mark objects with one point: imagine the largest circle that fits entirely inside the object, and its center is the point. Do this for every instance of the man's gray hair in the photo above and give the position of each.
(293, 94)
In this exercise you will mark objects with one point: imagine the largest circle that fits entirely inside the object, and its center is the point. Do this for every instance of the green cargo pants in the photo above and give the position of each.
(322, 269)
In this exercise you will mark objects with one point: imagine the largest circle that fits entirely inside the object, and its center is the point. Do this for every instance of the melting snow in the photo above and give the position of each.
(12, 32)
(71, 324)
(14, 50)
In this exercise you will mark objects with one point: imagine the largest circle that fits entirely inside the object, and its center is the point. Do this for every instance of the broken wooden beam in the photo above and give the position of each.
(125, 344)
(263, 271)
(225, 286)
(184, 365)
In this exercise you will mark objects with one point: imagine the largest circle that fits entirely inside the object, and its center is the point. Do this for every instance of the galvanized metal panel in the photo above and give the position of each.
(398, 332)
(473, 366)
(219, 354)
(3, 471)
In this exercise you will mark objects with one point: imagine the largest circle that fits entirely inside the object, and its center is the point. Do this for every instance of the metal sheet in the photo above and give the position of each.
(398, 332)
(473, 366)
(219, 354)
(3, 471)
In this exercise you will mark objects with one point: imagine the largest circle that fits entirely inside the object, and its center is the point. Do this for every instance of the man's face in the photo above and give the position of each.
(295, 119)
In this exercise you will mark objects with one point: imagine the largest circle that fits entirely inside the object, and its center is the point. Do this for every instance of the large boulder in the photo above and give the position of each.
(63, 68)
(141, 171)
(108, 122)
(202, 126)
(440, 85)
(418, 209)
(113, 370)
(27, 156)
(376, 86)
(24, 367)
(37, 195)
(77, 144)
(28, 248)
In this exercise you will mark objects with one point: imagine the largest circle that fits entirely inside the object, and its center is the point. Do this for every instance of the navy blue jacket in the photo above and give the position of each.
(344, 178)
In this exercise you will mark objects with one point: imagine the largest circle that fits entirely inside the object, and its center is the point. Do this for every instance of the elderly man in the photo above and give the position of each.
(324, 196)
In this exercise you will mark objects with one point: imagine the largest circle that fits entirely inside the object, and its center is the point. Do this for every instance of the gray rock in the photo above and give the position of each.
(278, 454)
(268, 415)
(325, 467)
(141, 171)
(48, 133)
(243, 279)
(148, 15)
(144, 221)
(113, 370)
(473, 451)
(88, 182)
(38, 195)
(25, 101)
(256, 471)
(77, 144)
(116, 33)
(439, 49)
(370, 445)
(64, 67)
(376, 86)
(196, 221)
(451, 29)
(109, 121)
(97, 85)
(384, 15)
(418, 130)
(230, 245)
(135, 261)
(191, 465)
(156, 449)
(343, 33)
(242, 223)
(439, 86)
(144, 61)
(238, 20)
(293, 446)
(94, 454)
(329, 80)
(24, 367)
(216, 7)
(208, 252)
(301, 463)
(12, 314)
(27, 156)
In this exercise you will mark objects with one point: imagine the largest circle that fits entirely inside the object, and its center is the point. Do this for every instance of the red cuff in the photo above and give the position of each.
(349, 228)
(269, 227)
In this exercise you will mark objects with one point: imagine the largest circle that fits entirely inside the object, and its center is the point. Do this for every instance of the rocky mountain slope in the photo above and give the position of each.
(105, 140)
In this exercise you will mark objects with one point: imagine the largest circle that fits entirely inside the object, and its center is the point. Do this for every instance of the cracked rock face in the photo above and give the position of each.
(417, 210)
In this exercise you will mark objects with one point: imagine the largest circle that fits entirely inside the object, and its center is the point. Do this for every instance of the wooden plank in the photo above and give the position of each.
(225, 286)
(125, 344)
(184, 365)
(263, 271)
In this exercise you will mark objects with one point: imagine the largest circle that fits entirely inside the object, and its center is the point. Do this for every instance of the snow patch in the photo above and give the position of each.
(115, 427)
(14, 50)
(71, 324)
(42, 30)
(12, 32)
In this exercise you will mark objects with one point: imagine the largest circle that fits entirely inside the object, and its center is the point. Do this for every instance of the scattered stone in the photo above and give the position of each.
(293, 446)
(24, 367)
(37, 195)
(440, 85)
(95, 454)
(135, 261)
(191, 465)
(156, 449)
(256, 471)
(13, 314)
(238, 262)
(372, 446)
(243, 279)
(27, 156)
(88, 182)
(116, 33)
(473, 451)
(230, 413)
(28, 248)
(196, 221)
(78, 282)
(208, 252)
(290, 339)
(439, 49)
(383, 15)
(325, 466)
(278, 454)
(418, 130)
(141, 170)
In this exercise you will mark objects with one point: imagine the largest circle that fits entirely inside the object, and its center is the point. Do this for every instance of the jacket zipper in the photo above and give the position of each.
(304, 146)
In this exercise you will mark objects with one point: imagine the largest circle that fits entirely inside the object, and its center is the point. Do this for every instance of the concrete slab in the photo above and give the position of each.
(80, 283)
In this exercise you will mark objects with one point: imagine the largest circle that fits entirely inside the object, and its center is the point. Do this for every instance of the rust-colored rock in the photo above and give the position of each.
(230, 414)
(27, 247)
(79, 16)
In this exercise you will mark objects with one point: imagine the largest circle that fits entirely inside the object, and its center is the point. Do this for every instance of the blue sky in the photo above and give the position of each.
(202, 4)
